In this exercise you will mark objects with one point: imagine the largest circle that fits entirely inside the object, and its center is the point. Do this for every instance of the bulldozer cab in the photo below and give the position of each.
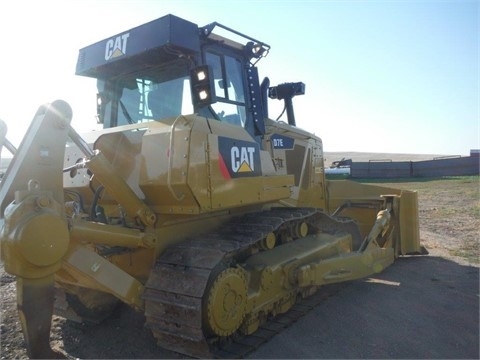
(190, 70)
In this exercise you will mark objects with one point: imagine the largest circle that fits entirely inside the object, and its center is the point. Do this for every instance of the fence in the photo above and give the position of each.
(459, 166)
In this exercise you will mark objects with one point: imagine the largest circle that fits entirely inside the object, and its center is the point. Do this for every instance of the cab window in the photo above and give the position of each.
(141, 99)
(229, 89)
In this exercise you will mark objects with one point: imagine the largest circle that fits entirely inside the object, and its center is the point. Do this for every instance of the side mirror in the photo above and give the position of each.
(202, 86)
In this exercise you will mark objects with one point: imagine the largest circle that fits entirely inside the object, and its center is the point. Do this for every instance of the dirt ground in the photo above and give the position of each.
(420, 307)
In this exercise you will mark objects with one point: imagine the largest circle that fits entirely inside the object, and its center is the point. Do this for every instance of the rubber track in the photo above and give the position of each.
(174, 291)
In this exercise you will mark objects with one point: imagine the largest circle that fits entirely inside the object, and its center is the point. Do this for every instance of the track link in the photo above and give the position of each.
(182, 274)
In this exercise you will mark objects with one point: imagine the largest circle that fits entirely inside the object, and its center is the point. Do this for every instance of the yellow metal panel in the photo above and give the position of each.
(232, 191)
(166, 166)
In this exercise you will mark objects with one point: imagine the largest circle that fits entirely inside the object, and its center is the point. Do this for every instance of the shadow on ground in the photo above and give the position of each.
(421, 307)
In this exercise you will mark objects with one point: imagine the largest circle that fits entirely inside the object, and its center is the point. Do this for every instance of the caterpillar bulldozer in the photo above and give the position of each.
(191, 205)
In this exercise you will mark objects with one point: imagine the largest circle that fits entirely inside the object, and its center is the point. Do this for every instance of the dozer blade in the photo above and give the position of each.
(359, 196)
(35, 298)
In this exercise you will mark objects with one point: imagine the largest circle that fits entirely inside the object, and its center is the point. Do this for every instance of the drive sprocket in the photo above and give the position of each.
(226, 302)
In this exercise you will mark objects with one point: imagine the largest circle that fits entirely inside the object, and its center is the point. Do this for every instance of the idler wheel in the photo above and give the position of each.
(226, 302)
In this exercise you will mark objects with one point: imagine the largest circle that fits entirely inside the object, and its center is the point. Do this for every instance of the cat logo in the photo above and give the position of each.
(238, 158)
(116, 47)
(242, 159)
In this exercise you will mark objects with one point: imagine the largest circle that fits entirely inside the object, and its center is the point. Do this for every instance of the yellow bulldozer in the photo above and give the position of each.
(191, 205)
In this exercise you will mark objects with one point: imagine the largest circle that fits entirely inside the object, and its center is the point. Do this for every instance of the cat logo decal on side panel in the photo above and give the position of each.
(238, 158)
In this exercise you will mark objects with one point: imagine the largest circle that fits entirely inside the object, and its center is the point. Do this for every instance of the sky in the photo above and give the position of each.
(385, 76)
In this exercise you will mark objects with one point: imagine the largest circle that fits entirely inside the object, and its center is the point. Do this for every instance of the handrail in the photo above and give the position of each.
(170, 161)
